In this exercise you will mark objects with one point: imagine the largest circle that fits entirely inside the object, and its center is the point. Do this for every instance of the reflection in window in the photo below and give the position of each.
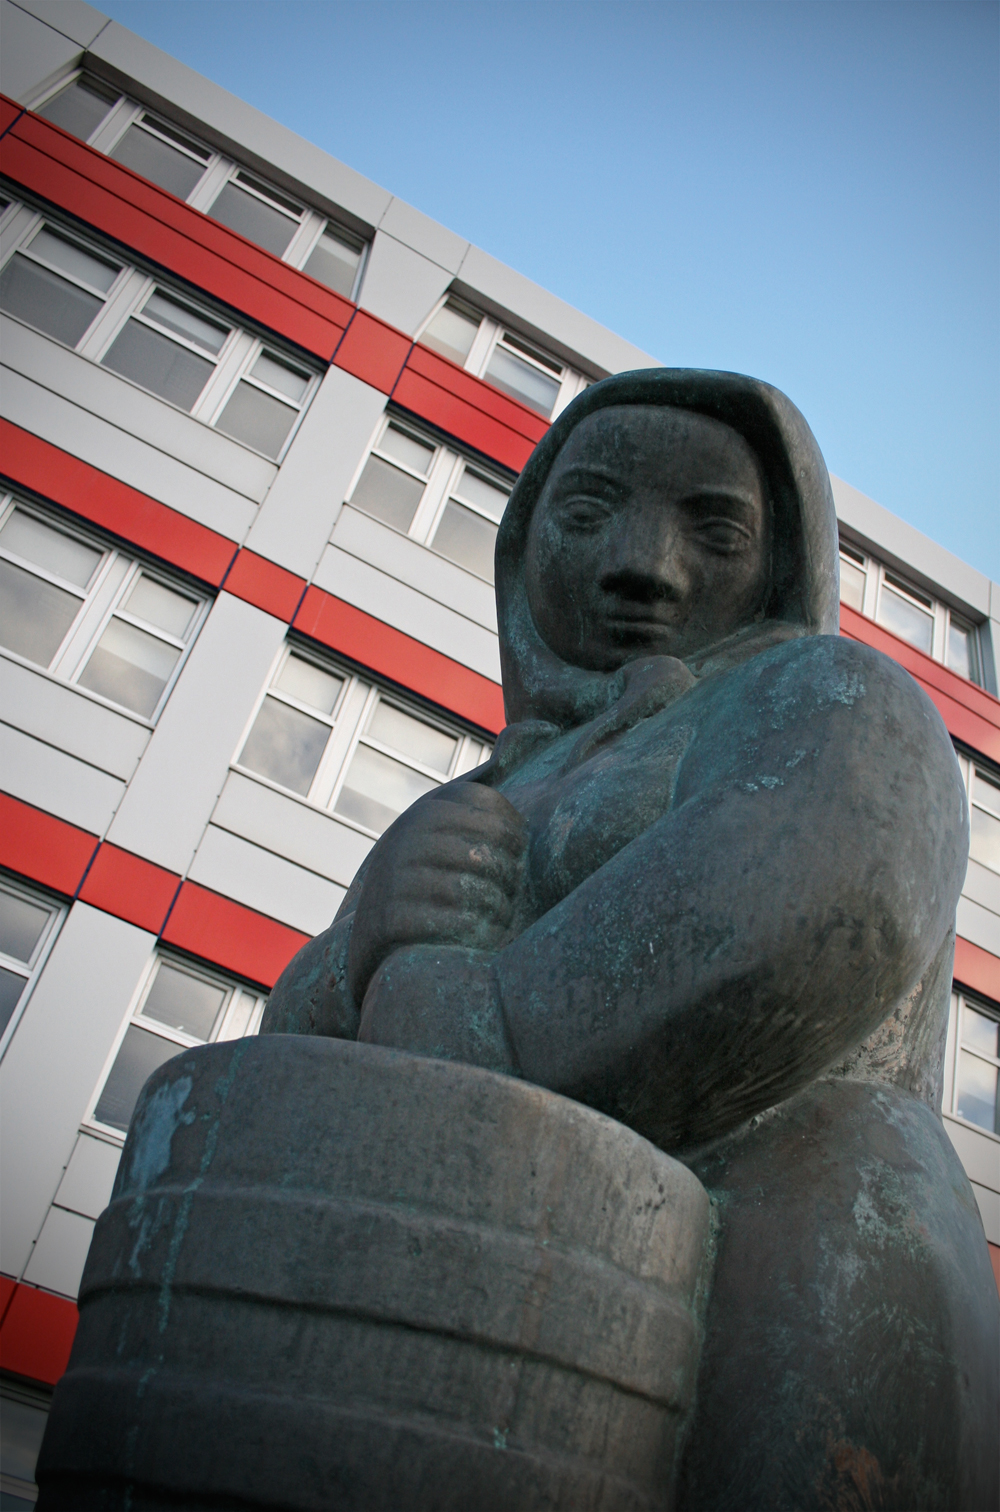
(978, 1069)
(80, 107)
(168, 348)
(257, 212)
(27, 920)
(162, 153)
(852, 579)
(384, 778)
(291, 730)
(265, 404)
(467, 531)
(452, 331)
(984, 819)
(394, 478)
(56, 285)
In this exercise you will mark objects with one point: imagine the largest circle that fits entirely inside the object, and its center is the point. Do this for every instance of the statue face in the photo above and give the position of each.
(650, 537)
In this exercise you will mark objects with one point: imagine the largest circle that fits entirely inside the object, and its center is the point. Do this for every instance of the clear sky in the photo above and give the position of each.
(801, 190)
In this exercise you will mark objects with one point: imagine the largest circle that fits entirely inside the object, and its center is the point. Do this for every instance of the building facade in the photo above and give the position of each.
(259, 420)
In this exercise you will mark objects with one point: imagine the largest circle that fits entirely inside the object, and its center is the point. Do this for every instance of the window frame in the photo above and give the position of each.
(100, 602)
(960, 999)
(352, 713)
(58, 910)
(235, 988)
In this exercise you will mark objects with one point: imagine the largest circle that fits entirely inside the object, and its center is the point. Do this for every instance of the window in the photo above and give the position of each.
(436, 497)
(909, 612)
(208, 180)
(89, 613)
(984, 817)
(24, 1410)
(179, 1005)
(977, 1064)
(156, 337)
(334, 739)
(517, 367)
(28, 923)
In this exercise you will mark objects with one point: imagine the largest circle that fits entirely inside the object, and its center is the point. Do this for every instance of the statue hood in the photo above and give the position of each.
(804, 594)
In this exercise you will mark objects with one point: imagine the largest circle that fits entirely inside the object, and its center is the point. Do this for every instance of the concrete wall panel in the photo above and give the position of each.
(400, 286)
(979, 925)
(31, 52)
(305, 835)
(66, 718)
(983, 886)
(89, 1177)
(172, 795)
(426, 236)
(979, 1154)
(75, 19)
(39, 774)
(78, 1006)
(60, 1252)
(263, 881)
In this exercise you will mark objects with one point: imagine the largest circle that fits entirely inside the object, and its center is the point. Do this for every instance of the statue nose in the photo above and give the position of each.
(638, 585)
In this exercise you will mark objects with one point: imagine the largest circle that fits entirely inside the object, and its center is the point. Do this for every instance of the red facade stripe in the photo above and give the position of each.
(977, 969)
(37, 1334)
(124, 205)
(230, 935)
(472, 411)
(265, 585)
(43, 848)
(478, 392)
(94, 495)
(9, 112)
(130, 887)
(401, 658)
(373, 351)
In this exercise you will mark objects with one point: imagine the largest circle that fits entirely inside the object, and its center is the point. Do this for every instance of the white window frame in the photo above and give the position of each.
(493, 333)
(441, 482)
(236, 992)
(970, 765)
(352, 712)
(127, 300)
(100, 602)
(954, 1044)
(218, 171)
(880, 578)
(32, 969)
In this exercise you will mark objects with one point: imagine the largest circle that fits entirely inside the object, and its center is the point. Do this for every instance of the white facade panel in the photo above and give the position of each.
(77, 1006)
(979, 1153)
(89, 1177)
(989, 1211)
(401, 286)
(426, 236)
(75, 19)
(31, 52)
(60, 1252)
(70, 720)
(144, 416)
(409, 562)
(266, 882)
(172, 795)
(408, 610)
(289, 828)
(51, 780)
(979, 925)
(134, 462)
(296, 518)
(982, 886)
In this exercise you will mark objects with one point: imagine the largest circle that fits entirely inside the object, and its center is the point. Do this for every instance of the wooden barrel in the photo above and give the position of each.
(334, 1276)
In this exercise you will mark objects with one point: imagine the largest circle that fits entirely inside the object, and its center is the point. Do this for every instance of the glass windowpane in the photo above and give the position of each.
(159, 364)
(906, 619)
(251, 217)
(522, 381)
(411, 737)
(22, 925)
(285, 745)
(388, 494)
(44, 300)
(378, 789)
(309, 683)
(160, 606)
(279, 375)
(852, 584)
(184, 1002)
(34, 615)
(985, 792)
(486, 496)
(467, 539)
(959, 655)
(451, 333)
(130, 667)
(66, 255)
(980, 1032)
(141, 1054)
(334, 264)
(50, 549)
(984, 840)
(11, 987)
(416, 455)
(977, 1092)
(80, 108)
(155, 159)
(208, 334)
(257, 419)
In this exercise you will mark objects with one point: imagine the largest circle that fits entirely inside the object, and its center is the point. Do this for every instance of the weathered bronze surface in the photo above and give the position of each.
(706, 885)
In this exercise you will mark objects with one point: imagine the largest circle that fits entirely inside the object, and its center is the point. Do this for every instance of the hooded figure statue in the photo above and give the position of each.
(706, 884)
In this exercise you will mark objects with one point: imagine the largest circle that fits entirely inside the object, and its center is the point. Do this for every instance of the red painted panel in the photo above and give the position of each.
(9, 112)
(373, 351)
(130, 888)
(124, 205)
(43, 848)
(994, 1250)
(96, 496)
(971, 714)
(230, 935)
(37, 1334)
(266, 585)
(401, 658)
(977, 969)
(8, 1286)
(464, 421)
(477, 392)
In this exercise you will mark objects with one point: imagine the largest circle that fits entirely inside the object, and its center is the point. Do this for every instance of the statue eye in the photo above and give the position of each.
(584, 513)
(723, 536)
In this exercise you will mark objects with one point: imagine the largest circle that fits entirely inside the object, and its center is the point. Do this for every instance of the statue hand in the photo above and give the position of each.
(446, 873)
(442, 1002)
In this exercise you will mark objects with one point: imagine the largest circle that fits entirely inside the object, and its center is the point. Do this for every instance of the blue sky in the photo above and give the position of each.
(804, 191)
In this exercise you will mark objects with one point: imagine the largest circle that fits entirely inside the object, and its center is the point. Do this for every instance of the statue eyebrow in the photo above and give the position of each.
(701, 498)
(584, 472)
